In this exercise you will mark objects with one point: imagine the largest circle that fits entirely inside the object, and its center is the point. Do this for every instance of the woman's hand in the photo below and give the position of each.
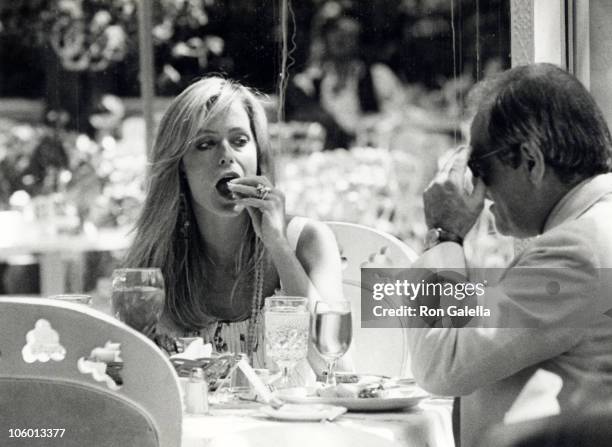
(265, 204)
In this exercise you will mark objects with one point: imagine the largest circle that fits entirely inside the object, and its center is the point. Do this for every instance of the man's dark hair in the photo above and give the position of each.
(545, 105)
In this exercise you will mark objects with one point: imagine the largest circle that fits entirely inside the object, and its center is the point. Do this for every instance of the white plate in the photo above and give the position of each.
(309, 412)
(398, 400)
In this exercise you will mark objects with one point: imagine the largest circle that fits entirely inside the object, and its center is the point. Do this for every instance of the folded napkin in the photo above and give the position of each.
(260, 388)
(196, 349)
(537, 399)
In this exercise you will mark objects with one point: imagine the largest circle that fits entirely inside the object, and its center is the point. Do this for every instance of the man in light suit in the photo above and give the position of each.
(540, 151)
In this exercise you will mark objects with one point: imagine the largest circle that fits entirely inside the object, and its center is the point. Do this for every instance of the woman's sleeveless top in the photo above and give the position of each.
(231, 336)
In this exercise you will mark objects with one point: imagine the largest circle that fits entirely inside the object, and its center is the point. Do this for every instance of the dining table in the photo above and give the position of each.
(22, 237)
(244, 424)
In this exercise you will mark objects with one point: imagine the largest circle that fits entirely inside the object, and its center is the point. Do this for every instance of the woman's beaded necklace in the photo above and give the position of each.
(255, 308)
(255, 311)
(258, 281)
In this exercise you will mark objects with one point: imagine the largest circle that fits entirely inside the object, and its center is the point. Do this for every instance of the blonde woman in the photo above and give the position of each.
(216, 225)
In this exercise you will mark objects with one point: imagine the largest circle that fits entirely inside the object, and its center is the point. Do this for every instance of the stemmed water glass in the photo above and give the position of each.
(286, 321)
(331, 333)
(138, 297)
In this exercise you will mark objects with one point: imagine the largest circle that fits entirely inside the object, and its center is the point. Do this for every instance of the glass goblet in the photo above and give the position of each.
(138, 297)
(286, 321)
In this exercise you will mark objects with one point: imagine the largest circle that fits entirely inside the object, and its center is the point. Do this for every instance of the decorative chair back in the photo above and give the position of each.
(375, 351)
(78, 376)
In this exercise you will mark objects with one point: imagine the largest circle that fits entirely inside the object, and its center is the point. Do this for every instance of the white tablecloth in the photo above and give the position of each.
(428, 425)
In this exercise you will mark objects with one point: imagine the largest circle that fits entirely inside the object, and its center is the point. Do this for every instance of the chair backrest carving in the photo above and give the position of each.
(376, 351)
(128, 394)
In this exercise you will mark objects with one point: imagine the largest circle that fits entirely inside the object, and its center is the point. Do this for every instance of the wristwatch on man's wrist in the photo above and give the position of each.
(438, 235)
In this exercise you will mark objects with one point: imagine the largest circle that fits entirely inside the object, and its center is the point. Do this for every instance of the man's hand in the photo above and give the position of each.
(448, 205)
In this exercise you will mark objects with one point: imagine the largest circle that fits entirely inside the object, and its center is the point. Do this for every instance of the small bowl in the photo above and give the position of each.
(216, 368)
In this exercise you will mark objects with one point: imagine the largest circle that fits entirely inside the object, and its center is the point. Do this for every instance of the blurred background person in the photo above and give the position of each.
(341, 89)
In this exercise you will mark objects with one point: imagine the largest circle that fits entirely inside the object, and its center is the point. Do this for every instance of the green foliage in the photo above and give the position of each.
(90, 35)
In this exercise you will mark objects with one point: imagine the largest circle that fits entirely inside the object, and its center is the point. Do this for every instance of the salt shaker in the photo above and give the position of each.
(196, 392)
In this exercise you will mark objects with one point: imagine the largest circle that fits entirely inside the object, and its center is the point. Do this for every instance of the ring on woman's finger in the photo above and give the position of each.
(263, 191)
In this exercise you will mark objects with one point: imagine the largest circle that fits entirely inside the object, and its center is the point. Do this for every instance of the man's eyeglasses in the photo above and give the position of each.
(477, 165)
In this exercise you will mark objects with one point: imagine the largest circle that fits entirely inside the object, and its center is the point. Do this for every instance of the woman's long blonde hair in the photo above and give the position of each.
(163, 239)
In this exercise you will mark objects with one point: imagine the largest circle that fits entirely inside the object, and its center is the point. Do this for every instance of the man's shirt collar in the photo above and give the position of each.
(579, 199)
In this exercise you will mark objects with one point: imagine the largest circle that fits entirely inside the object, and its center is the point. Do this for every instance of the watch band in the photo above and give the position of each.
(436, 236)
(448, 236)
